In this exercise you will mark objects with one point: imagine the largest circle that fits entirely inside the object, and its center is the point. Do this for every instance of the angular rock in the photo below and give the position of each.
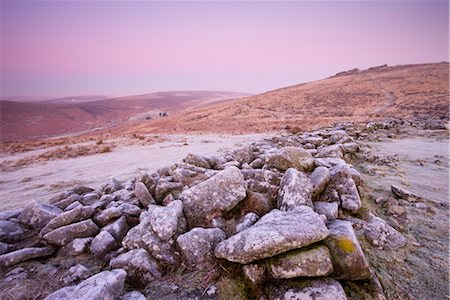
(124, 195)
(138, 264)
(404, 194)
(262, 175)
(18, 256)
(68, 233)
(9, 214)
(75, 247)
(291, 157)
(275, 233)
(118, 229)
(314, 261)
(349, 261)
(295, 190)
(246, 221)
(342, 189)
(69, 217)
(89, 198)
(64, 203)
(382, 235)
(331, 151)
(74, 204)
(75, 274)
(37, 215)
(80, 190)
(149, 181)
(157, 231)
(313, 289)
(107, 285)
(320, 178)
(220, 193)
(197, 160)
(143, 194)
(108, 215)
(165, 187)
(197, 247)
(329, 209)
(11, 231)
(103, 243)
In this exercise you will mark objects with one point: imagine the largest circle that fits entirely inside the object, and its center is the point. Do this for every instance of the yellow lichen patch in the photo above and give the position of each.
(346, 244)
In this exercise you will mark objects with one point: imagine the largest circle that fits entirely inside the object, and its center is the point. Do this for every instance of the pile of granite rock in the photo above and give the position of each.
(281, 211)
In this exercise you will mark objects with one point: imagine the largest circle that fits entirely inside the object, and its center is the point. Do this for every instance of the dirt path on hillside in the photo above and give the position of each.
(42, 180)
(390, 98)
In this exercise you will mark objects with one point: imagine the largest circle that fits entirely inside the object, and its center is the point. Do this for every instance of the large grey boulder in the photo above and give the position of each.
(11, 231)
(107, 285)
(382, 235)
(108, 215)
(348, 258)
(165, 187)
(320, 177)
(329, 209)
(143, 194)
(220, 193)
(37, 215)
(157, 231)
(295, 190)
(118, 229)
(197, 160)
(311, 262)
(21, 255)
(290, 157)
(275, 233)
(313, 289)
(140, 266)
(103, 243)
(68, 217)
(197, 247)
(342, 188)
(68, 233)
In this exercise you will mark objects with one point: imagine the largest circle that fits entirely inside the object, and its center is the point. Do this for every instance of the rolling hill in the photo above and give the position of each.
(357, 95)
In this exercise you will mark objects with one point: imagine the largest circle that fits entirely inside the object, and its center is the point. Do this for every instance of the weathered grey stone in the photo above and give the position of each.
(90, 198)
(75, 247)
(9, 214)
(140, 266)
(350, 148)
(268, 176)
(157, 231)
(37, 215)
(18, 256)
(69, 217)
(103, 243)
(246, 221)
(311, 262)
(5, 248)
(382, 235)
(107, 215)
(165, 187)
(107, 285)
(68, 233)
(149, 181)
(64, 203)
(220, 193)
(75, 274)
(404, 194)
(328, 162)
(312, 289)
(118, 229)
(143, 194)
(257, 163)
(73, 205)
(295, 190)
(134, 295)
(348, 259)
(342, 188)
(330, 151)
(124, 195)
(256, 272)
(320, 177)
(197, 160)
(291, 157)
(329, 209)
(275, 233)
(11, 231)
(197, 247)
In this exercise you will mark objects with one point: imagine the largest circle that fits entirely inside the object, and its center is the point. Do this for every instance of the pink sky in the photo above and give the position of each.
(52, 49)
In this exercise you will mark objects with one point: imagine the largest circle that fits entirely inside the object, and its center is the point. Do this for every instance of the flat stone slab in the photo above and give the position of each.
(21, 255)
(65, 234)
(316, 289)
(275, 233)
